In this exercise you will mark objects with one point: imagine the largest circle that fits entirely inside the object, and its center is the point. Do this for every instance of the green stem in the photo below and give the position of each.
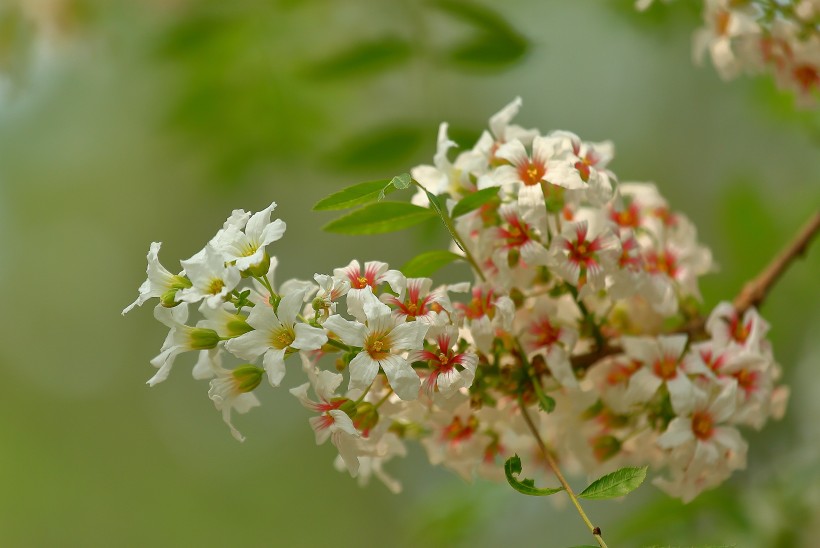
(596, 532)
(384, 399)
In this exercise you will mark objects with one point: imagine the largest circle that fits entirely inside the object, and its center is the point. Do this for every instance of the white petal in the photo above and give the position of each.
(642, 386)
(403, 379)
(274, 364)
(677, 433)
(308, 337)
(351, 333)
(250, 345)
(363, 370)
(408, 336)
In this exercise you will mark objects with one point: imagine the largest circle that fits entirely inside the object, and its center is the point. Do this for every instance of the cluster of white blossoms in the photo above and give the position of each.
(780, 37)
(583, 293)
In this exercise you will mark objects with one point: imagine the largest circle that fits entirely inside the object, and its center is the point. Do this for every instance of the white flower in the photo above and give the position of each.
(159, 281)
(443, 359)
(181, 338)
(331, 289)
(383, 336)
(211, 279)
(364, 282)
(331, 422)
(275, 334)
(232, 389)
(248, 248)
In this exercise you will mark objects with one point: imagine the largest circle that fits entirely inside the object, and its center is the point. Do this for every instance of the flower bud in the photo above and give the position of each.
(247, 377)
(367, 416)
(348, 406)
(605, 447)
(202, 338)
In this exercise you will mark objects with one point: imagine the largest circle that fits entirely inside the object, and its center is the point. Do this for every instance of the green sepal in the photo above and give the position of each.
(355, 195)
(512, 467)
(248, 377)
(379, 218)
(474, 201)
(201, 338)
(427, 263)
(617, 484)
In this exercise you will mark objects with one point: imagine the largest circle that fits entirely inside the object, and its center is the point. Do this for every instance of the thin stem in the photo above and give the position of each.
(366, 390)
(596, 531)
(384, 399)
(339, 344)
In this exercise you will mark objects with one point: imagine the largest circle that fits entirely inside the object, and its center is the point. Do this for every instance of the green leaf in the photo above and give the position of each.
(512, 467)
(354, 195)
(427, 263)
(380, 147)
(363, 59)
(546, 403)
(617, 484)
(496, 44)
(474, 201)
(401, 181)
(489, 52)
(379, 218)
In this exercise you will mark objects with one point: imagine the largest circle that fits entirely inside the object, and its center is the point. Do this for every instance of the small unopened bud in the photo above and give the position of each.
(203, 339)
(513, 257)
(318, 304)
(517, 297)
(367, 416)
(605, 447)
(247, 377)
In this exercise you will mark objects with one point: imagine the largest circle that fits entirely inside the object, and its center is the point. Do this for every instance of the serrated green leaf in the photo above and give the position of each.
(617, 484)
(363, 59)
(474, 201)
(401, 181)
(354, 195)
(427, 263)
(512, 467)
(379, 218)
(380, 147)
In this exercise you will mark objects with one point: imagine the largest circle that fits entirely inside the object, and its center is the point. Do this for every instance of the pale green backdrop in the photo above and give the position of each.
(123, 123)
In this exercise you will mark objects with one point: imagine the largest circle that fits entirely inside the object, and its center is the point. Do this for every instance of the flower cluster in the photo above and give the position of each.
(780, 37)
(580, 313)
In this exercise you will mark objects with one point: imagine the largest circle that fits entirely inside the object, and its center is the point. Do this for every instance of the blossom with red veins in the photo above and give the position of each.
(590, 161)
(701, 445)
(383, 339)
(365, 280)
(627, 216)
(581, 259)
(727, 328)
(331, 422)
(485, 315)
(552, 339)
(444, 376)
(520, 237)
(415, 301)
(662, 364)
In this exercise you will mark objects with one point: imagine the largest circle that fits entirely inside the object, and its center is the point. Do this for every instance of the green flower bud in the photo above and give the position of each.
(517, 297)
(367, 416)
(203, 339)
(318, 304)
(349, 406)
(605, 447)
(248, 377)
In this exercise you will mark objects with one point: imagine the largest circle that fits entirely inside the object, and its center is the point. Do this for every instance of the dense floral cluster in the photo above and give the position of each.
(583, 292)
(780, 37)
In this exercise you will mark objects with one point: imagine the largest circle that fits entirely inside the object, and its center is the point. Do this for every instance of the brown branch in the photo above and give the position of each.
(756, 290)
(753, 293)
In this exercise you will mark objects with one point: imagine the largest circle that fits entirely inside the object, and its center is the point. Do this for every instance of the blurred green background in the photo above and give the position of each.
(125, 122)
